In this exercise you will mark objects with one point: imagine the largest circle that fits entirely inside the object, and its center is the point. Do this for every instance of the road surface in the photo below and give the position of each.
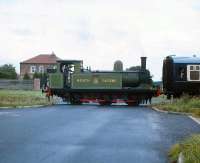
(90, 134)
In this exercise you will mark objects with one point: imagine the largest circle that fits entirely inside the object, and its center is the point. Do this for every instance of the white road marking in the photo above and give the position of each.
(197, 120)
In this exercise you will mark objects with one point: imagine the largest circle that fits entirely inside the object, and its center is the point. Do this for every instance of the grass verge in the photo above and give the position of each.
(190, 148)
(15, 98)
(186, 104)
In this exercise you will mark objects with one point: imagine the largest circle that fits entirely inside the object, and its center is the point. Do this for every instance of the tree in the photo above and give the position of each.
(7, 71)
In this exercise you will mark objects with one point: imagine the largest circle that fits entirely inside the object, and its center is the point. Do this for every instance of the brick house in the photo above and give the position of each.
(38, 64)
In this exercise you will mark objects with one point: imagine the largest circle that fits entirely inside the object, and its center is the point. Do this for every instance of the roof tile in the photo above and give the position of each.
(43, 59)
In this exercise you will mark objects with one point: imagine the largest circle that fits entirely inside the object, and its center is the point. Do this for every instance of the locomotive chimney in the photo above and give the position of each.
(143, 63)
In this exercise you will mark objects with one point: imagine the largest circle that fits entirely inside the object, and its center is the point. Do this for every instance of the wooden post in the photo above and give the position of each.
(171, 99)
(36, 84)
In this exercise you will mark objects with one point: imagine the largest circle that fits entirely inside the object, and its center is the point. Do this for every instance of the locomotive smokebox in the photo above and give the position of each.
(143, 63)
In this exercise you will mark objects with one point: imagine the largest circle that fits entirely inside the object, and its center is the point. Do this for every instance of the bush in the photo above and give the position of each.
(190, 149)
(185, 104)
(26, 76)
(174, 152)
(39, 75)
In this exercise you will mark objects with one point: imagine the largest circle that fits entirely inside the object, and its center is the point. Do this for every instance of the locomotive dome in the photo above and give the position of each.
(118, 66)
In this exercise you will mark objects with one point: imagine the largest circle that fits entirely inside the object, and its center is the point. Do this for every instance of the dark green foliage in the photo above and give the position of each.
(7, 71)
(26, 76)
(39, 75)
(36, 75)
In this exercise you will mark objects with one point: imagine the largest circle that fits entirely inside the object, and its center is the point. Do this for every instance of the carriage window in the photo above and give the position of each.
(181, 74)
(193, 72)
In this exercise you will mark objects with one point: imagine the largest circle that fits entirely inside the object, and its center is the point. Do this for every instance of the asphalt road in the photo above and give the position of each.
(90, 134)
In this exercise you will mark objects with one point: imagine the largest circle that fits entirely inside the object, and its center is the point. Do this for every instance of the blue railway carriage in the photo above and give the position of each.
(181, 75)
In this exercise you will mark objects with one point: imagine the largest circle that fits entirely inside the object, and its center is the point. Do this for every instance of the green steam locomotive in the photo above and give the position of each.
(77, 85)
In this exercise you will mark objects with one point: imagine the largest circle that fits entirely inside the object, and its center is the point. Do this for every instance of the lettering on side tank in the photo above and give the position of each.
(109, 80)
(82, 80)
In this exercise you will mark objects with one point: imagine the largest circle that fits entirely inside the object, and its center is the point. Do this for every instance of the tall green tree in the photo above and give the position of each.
(7, 71)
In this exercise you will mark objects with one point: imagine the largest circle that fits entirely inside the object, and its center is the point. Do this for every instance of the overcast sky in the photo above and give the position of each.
(100, 31)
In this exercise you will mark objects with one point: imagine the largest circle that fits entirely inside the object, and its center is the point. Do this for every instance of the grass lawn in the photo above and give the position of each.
(16, 98)
(186, 104)
(190, 148)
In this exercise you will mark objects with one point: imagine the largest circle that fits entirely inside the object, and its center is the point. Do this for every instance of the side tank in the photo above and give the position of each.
(130, 79)
(137, 77)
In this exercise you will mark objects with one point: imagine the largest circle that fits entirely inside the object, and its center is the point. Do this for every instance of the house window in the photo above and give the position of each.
(41, 69)
(33, 69)
(193, 72)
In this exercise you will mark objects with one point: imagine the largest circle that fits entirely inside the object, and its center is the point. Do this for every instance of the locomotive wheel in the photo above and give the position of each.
(105, 100)
(105, 103)
(132, 100)
(75, 100)
(132, 103)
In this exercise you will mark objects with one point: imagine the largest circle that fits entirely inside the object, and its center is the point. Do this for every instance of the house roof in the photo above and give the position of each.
(43, 59)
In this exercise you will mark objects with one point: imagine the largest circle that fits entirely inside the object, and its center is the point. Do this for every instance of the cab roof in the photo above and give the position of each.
(69, 61)
(186, 60)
